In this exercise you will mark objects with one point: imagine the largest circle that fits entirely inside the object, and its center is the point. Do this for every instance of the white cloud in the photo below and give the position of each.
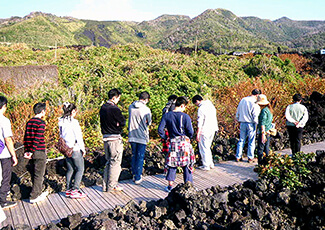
(108, 10)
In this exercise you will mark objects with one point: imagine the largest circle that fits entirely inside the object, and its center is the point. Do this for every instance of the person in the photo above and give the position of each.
(207, 126)
(296, 117)
(112, 122)
(181, 153)
(247, 115)
(264, 125)
(170, 106)
(8, 157)
(139, 121)
(70, 131)
(34, 147)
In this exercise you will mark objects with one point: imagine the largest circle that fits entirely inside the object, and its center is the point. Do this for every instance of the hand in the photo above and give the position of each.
(83, 153)
(15, 161)
(264, 139)
(28, 155)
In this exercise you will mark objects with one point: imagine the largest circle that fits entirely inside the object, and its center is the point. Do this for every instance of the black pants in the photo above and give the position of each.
(38, 166)
(295, 136)
(6, 166)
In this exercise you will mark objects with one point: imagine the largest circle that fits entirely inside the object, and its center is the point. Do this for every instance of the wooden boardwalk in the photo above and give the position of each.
(57, 206)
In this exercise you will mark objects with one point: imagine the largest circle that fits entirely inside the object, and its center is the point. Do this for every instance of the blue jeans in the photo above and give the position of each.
(262, 147)
(138, 151)
(187, 174)
(247, 130)
(75, 171)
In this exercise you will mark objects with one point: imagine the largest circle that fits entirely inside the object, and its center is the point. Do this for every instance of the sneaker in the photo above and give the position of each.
(168, 188)
(68, 193)
(8, 204)
(78, 195)
(138, 181)
(116, 188)
(238, 159)
(211, 166)
(39, 198)
(251, 160)
(204, 168)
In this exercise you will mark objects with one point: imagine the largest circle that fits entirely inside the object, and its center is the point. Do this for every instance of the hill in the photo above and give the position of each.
(216, 29)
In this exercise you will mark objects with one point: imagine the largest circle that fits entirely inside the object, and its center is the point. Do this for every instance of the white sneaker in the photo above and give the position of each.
(39, 198)
(138, 181)
(211, 166)
(204, 168)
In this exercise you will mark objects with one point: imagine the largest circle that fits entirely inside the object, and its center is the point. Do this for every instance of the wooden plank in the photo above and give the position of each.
(8, 220)
(73, 205)
(59, 206)
(138, 191)
(19, 216)
(88, 206)
(98, 200)
(114, 198)
(157, 186)
(48, 212)
(33, 213)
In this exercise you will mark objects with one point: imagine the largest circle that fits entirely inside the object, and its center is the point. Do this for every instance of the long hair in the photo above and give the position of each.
(67, 109)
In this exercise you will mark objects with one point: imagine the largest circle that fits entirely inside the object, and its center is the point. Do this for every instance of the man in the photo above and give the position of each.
(112, 122)
(8, 157)
(297, 116)
(247, 116)
(34, 145)
(139, 121)
(207, 125)
(180, 153)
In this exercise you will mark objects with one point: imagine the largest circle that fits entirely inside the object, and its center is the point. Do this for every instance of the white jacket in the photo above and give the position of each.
(70, 131)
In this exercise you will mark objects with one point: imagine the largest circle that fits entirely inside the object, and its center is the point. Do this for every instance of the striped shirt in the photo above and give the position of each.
(34, 135)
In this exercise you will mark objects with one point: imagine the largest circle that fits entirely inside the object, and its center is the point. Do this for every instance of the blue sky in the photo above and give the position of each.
(140, 10)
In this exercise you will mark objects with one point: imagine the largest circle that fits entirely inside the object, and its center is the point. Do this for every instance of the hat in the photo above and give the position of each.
(262, 100)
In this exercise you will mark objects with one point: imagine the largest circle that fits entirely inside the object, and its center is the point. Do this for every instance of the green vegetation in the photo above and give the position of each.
(86, 76)
(288, 170)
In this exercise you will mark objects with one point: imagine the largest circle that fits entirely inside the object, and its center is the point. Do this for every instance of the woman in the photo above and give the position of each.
(70, 131)
(180, 153)
(264, 125)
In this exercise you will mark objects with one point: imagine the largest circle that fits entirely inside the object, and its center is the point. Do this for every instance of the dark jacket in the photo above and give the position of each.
(111, 119)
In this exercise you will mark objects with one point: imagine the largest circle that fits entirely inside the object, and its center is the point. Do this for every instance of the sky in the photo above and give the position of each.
(143, 10)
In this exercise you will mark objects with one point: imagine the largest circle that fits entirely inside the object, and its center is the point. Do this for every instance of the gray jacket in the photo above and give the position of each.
(139, 121)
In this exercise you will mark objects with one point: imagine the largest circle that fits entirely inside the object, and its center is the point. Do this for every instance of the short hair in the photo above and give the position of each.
(256, 92)
(172, 97)
(114, 92)
(3, 101)
(297, 97)
(197, 98)
(181, 101)
(39, 107)
(144, 95)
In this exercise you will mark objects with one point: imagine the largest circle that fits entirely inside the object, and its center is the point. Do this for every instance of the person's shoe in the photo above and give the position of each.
(211, 166)
(39, 198)
(204, 168)
(8, 204)
(78, 195)
(138, 181)
(168, 188)
(238, 159)
(116, 188)
(68, 193)
(251, 160)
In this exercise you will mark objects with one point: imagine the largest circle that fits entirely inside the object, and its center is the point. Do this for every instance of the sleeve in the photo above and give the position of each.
(120, 118)
(149, 117)
(78, 135)
(256, 112)
(161, 128)
(188, 126)
(288, 116)
(200, 118)
(6, 129)
(304, 119)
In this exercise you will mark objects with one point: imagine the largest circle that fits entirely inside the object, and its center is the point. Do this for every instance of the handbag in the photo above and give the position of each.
(63, 148)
